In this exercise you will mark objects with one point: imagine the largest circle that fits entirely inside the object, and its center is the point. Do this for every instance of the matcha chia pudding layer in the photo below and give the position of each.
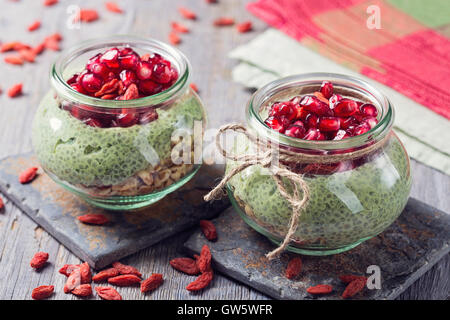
(350, 200)
(118, 127)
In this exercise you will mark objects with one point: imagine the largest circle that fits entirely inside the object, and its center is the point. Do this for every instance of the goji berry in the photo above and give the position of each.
(52, 45)
(108, 87)
(15, 59)
(124, 269)
(49, 3)
(201, 282)
(113, 7)
(208, 229)
(91, 218)
(153, 282)
(194, 87)
(294, 268)
(73, 281)
(87, 15)
(186, 13)
(174, 38)
(204, 261)
(124, 280)
(28, 175)
(39, 260)
(83, 290)
(320, 289)
(8, 46)
(85, 273)
(39, 48)
(186, 265)
(67, 269)
(15, 90)
(354, 287)
(34, 26)
(2, 205)
(347, 278)
(108, 293)
(42, 292)
(244, 27)
(178, 27)
(108, 96)
(145, 57)
(223, 22)
(131, 93)
(105, 275)
(27, 55)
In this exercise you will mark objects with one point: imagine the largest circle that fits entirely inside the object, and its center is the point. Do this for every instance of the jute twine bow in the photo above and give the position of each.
(297, 202)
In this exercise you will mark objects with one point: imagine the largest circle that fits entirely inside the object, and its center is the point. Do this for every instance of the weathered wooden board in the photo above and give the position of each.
(56, 209)
(416, 241)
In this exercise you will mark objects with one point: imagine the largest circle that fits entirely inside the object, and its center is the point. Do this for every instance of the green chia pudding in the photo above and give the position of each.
(119, 126)
(351, 199)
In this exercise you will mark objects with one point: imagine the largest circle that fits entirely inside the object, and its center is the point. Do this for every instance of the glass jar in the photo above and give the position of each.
(351, 200)
(111, 166)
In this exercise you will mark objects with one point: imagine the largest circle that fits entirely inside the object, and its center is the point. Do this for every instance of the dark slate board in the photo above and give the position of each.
(418, 239)
(55, 209)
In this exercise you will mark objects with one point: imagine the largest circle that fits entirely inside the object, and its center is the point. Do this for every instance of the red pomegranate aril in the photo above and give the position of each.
(326, 89)
(144, 70)
(314, 134)
(130, 61)
(148, 116)
(149, 87)
(111, 58)
(283, 109)
(295, 131)
(312, 120)
(161, 73)
(347, 122)
(369, 110)
(302, 113)
(335, 98)
(341, 134)
(328, 124)
(93, 122)
(313, 104)
(91, 82)
(99, 69)
(277, 124)
(371, 122)
(127, 118)
(360, 129)
(128, 77)
(72, 79)
(345, 107)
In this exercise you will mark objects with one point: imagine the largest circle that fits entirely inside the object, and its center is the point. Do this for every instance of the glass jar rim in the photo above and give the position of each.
(262, 95)
(167, 51)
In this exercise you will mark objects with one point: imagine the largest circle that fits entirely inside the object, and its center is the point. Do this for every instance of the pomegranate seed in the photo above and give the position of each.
(314, 134)
(345, 107)
(360, 129)
(312, 120)
(329, 124)
(178, 27)
(186, 13)
(77, 87)
(371, 122)
(313, 104)
(34, 26)
(347, 122)
(130, 61)
(99, 69)
(127, 118)
(223, 22)
(128, 77)
(244, 27)
(148, 117)
(335, 98)
(295, 131)
(277, 124)
(326, 89)
(111, 58)
(93, 122)
(149, 87)
(91, 82)
(283, 109)
(15, 90)
(144, 70)
(174, 38)
(369, 110)
(341, 134)
(113, 7)
(161, 73)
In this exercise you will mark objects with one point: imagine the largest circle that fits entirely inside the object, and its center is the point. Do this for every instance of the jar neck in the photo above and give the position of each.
(74, 60)
(286, 88)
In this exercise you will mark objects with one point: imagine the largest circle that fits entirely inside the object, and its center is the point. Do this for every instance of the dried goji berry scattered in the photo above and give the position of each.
(153, 282)
(49, 3)
(108, 87)
(85, 273)
(125, 280)
(186, 265)
(105, 275)
(67, 269)
(347, 278)
(124, 269)
(15, 90)
(42, 292)
(321, 97)
(113, 7)
(186, 13)
(294, 268)
(27, 55)
(194, 87)
(174, 38)
(244, 27)
(39, 48)
(14, 59)
(73, 281)
(108, 293)
(19, 46)
(2, 205)
(354, 287)
(87, 15)
(178, 27)
(145, 57)
(223, 22)
(91, 218)
(39, 260)
(83, 290)
(7, 46)
(28, 175)
(204, 261)
(320, 289)
(34, 26)
(208, 229)
(201, 282)
(131, 93)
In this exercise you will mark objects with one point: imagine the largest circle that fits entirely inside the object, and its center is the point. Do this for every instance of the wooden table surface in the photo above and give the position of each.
(207, 48)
